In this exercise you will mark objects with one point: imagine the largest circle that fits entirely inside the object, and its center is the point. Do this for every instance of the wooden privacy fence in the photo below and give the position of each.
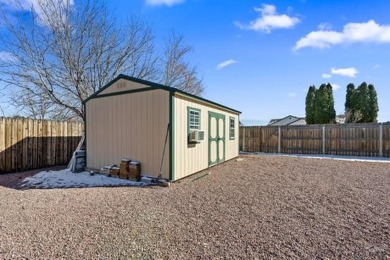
(30, 144)
(346, 139)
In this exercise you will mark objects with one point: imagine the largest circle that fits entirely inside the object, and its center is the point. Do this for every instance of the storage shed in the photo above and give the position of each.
(159, 126)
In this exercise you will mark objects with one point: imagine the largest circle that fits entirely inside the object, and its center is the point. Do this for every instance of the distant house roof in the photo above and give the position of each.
(340, 119)
(288, 120)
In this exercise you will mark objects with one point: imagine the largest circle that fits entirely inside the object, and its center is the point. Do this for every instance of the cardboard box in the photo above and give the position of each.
(114, 172)
(135, 166)
(134, 176)
(124, 167)
(124, 176)
(135, 170)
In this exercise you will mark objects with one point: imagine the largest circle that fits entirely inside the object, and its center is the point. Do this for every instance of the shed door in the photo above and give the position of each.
(216, 138)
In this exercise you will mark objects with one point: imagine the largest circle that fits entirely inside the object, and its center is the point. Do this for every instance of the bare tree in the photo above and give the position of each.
(57, 54)
(1, 101)
(64, 53)
(38, 106)
(177, 72)
(31, 105)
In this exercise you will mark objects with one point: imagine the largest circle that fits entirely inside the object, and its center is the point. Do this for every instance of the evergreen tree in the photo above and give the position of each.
(350, 106)
(323, 105)
(324, 112)
(373, 105)
(363, 103)
(310, 97)
(357, 114)
(318, 104)
(329, 105)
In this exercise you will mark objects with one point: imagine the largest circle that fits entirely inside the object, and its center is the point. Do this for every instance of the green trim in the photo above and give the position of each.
(209, 138)
(218, 138)
(188, 120)
(224, 138)
(152, 86)
(238, 136)
(121, 76)
(208, 102)
(171, 137)
(232, 137)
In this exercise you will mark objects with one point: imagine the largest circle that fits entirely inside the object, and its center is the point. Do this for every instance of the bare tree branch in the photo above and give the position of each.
(178, 73)
(66, 53)
(58, 54)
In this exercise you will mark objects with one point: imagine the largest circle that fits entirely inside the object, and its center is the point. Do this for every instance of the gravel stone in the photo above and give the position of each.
(261, 207)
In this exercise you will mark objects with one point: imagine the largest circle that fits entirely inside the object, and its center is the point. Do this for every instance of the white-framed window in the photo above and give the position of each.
(193, 119)
(232, 128)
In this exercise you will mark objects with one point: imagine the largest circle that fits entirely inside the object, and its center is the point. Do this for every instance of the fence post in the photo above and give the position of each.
(243, 139)
(279, 139)
(323, 139)
(380, 140)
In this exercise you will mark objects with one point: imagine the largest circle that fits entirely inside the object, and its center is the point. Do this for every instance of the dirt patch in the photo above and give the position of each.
(261, 207)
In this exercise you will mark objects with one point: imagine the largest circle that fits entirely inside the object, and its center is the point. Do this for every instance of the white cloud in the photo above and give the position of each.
(325, 26)
(164, 2)
(377, 66)
(7, 57)
(326, 76)
(269, 20)
(352, 33)
(335, 86)
(226, 63)
(319, 39)
(347, 72)
(28, 4)
(35, 5)
(292, 94)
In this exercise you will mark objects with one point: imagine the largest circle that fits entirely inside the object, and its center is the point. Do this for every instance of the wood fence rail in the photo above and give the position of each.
(371, 140)
(30, 144)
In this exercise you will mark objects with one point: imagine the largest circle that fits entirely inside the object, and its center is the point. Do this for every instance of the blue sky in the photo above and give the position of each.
(260, 57)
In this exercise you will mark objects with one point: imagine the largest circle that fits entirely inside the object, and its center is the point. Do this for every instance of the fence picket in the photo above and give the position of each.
(2, 142)
(371, 140)
(30, 144)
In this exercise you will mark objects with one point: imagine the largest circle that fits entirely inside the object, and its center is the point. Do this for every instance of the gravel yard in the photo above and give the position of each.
(260, 207)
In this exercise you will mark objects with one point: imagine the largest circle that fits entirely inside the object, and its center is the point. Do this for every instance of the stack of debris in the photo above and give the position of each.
(128, 169)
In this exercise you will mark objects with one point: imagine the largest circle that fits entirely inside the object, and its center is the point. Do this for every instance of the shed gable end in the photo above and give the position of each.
(122, 85)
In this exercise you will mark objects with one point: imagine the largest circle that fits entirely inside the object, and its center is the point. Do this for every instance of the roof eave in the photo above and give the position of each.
(160, 86)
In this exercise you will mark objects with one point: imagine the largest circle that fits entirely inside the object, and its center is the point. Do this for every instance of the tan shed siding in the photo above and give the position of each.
(122, 85)
(191, 158)
(129, 126)
(232, 149)
(188, 158)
